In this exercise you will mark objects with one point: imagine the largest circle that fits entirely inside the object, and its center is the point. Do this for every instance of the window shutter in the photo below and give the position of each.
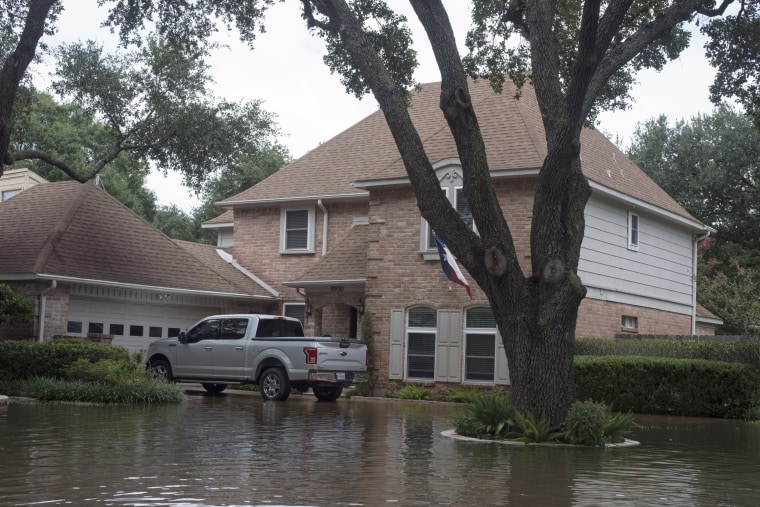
(449, 353)
(396, 358)
(502, 367)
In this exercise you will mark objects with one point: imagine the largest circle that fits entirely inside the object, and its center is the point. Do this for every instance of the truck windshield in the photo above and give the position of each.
(276, 328)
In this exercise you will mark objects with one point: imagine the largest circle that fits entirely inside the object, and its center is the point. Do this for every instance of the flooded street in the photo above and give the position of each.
(236, 450)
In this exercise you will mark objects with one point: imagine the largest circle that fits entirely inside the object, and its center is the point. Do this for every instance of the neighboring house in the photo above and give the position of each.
(92, 266)
(337, 232)
(15, 181)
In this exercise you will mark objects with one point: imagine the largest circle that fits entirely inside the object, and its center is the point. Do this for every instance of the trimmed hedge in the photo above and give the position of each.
(685, 387)
(28, 359)
(747, 352)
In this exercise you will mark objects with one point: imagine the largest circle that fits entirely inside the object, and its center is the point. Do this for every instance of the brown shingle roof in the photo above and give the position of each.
(513, 135)
(77, 231)
(225, 218)
(346, 261)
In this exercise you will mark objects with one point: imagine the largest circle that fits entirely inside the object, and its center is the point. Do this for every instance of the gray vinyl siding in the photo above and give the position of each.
(657, 275)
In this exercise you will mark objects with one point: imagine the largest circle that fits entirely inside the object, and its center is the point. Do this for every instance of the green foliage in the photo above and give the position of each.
(466, 395)
(389, 36)
(733, 292)
(618, 426)
(106, 371)
(369, 340)
(747, 351)
(709, 165)
(585, 423)
(498, 25)
(468, 425)
(494, 412)
(392, 389)
(413, 392)
(685, 387)
(733, 48)
(27, 359)
(534, 432)
(593, 424)
(14, 309)
(49, 389)
(361, 389)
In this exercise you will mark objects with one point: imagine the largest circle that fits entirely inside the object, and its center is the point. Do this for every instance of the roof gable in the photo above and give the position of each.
(512, 131)
(78, 231)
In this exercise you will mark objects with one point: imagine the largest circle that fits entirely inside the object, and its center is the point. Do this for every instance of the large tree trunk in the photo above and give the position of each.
(14, 68)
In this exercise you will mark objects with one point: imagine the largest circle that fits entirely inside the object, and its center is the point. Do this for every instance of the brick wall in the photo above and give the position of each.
(257, 243)
(603, 319)
(56, 311)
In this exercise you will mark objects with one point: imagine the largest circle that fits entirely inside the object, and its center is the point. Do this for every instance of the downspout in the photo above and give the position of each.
(324, 226)
(43, 309)
(695, 269)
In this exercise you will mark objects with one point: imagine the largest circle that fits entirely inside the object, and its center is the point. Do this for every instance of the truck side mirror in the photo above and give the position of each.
(182, 337)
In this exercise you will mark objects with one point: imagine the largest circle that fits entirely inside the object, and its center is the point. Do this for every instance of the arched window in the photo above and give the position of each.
(480, 345)
(421, 327)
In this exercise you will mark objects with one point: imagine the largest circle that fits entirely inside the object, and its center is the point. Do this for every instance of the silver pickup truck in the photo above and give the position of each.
(267, 350)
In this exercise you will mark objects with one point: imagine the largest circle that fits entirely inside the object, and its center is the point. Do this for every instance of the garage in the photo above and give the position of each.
(133, 325)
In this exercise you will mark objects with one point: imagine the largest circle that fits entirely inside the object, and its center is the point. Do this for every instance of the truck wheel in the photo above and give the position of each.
(327, 393)
(214, 388)
(274, 385)
(162, 370)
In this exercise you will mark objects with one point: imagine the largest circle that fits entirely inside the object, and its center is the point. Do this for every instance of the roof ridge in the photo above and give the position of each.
(57, 231)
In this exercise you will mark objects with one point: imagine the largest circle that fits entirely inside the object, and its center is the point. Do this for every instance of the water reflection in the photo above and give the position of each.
(236, 450)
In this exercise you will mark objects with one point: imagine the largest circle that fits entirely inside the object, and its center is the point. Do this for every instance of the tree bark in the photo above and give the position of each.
(14, 68)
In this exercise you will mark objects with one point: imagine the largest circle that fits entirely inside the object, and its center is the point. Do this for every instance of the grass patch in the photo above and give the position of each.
(49, 389)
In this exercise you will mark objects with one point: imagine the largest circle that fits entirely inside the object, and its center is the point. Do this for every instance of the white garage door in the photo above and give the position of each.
(132, 325)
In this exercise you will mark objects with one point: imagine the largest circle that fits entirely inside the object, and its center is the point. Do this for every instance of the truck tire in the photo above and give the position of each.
(162, 370)
(327, 393)
(274, 385)
(214, 388)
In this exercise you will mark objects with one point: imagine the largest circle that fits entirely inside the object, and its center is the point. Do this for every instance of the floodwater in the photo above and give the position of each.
(235, 450)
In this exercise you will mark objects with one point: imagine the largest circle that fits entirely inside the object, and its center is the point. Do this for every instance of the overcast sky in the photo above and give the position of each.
(285, 70)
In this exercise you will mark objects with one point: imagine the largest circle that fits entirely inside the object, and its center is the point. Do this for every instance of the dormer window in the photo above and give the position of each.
(451, 184)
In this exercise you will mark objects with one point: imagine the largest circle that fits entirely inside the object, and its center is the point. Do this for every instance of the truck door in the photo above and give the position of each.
(230, 348)
(195, 359)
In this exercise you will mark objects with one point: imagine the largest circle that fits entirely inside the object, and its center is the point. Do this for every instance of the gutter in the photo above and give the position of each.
(324, 226)
(43, 309)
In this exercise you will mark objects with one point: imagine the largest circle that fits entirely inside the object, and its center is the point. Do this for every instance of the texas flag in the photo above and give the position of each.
(450, 268)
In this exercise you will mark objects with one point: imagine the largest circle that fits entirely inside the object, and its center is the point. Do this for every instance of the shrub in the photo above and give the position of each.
(685, 387)
(27, 359)
(105, 371)
(47, 389)
(711, 350)
(361, 389)
(412, 392)
(14, 309)
(466, 395)
(391, 390)
(495, 413)
(532, 431)
(468, 426)
(585, 423)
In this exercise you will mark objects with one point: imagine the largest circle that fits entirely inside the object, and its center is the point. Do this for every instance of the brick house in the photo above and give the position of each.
(337, 232)
(92, 266)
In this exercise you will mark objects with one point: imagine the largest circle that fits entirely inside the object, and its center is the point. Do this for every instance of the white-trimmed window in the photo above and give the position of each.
(460, 203)
(421, 327)
(296, 310)
(633, 231)
(297, 230)
(628, 323)
(480, 345)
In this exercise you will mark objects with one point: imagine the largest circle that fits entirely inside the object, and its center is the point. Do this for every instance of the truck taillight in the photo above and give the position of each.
(311, 355)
